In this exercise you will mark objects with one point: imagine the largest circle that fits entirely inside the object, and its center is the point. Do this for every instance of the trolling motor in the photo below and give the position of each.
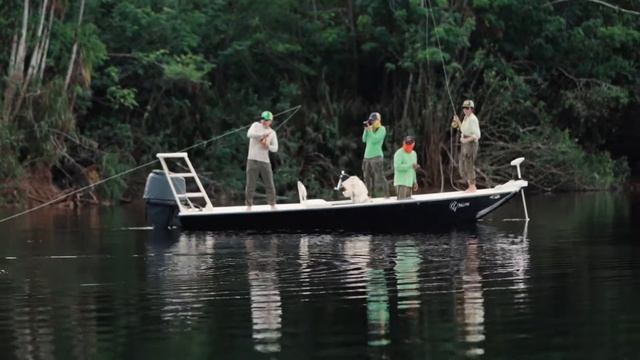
(516, 163)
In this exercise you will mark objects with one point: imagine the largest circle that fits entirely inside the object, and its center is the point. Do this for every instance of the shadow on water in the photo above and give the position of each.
(94, 285)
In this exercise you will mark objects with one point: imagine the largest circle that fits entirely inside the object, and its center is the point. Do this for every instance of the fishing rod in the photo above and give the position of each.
(428, 8)
(294, 110)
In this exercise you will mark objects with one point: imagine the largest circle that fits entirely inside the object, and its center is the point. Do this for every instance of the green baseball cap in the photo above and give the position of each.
(267, 115)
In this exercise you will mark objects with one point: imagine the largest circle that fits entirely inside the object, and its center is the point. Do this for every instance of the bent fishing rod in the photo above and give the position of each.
(292, 110)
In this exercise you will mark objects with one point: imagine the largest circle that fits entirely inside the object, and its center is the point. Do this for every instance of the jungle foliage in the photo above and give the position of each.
(92, 87)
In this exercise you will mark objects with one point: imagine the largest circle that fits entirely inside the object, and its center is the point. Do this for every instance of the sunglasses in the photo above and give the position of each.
(466, 107)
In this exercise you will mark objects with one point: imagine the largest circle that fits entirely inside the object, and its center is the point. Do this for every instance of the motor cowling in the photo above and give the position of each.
(161, 207)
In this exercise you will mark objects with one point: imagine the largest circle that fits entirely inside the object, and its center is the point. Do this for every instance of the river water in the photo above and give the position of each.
(96, 284)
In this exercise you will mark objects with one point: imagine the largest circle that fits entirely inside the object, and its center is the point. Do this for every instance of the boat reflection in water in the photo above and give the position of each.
(408, 261)
(411, 288)
(266, 304)
(508, 255)
(177, 264)
(471, 311)
(407, 267)
(369, 265)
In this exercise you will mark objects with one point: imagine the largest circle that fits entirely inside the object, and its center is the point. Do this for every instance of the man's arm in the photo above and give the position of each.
(273, 142)
(378, 136)
(255, 132)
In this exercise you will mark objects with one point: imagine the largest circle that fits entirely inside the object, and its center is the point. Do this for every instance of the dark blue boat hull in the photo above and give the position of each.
(393, 216)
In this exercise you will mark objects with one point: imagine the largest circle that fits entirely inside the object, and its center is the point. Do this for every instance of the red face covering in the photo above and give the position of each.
(408, 147)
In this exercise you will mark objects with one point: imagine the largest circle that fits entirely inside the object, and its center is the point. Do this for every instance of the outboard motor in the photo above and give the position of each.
(161, 207)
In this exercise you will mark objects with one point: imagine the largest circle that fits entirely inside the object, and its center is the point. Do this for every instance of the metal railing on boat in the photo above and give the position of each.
(184, 206)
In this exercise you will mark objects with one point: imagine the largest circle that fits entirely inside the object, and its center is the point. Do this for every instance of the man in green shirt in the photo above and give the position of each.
(405, 163)
(372, 164)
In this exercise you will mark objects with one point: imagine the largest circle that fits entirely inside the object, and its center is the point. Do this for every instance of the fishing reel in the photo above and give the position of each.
(455, 123)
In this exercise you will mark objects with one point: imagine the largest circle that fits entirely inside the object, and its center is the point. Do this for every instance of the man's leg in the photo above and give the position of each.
(463, 162)
(378, 168)
(250, 187)
(473, 154)
(368, 174)
(267, 178)
(404, 192)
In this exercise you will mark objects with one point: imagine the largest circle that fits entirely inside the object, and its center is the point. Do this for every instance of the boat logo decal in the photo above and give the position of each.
(454, 205)
(494, 197)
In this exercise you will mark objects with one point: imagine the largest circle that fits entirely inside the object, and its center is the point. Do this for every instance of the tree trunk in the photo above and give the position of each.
(43, 60)
(407, 99)
(16, 68)
(39, 48)
(12, 58)
(22, 46)
(74, 51)
(36, 57)
(8, 92)
(354, 46)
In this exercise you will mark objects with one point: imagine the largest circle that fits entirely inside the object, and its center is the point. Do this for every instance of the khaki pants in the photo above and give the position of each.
(404, 192)
(263, 169)
(467, 160)
(373, 171)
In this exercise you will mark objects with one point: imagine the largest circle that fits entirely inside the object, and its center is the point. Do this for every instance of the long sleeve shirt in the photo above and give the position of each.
(470, 127)
(403, 172)
(256, 150)
(373, 140)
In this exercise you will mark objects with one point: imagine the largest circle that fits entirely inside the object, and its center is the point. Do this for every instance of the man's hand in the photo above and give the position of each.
(265, 141)
(455, 122)
(416, 166)
(415, 186)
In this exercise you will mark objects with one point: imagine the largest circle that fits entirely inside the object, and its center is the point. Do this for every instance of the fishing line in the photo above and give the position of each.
(444, 69)
(446, 83)
(295, 109)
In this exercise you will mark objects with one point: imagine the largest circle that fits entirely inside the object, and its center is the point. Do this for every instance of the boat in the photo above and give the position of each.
(168, 200)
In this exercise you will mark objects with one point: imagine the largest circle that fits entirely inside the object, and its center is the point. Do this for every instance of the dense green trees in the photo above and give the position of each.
(114, 82)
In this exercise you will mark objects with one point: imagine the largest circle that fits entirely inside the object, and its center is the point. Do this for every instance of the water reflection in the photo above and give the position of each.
(407, 270)
(176, 266)
(266, 304)
(33, 335)
(410, 296)
(305, 269)
(505, 254)
(510, 252)
(471, 309)
(368, 264)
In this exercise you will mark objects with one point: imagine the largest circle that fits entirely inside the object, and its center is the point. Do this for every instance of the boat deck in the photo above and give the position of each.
(511, 186)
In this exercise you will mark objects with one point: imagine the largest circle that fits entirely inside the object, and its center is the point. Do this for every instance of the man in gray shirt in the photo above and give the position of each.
(262, 139)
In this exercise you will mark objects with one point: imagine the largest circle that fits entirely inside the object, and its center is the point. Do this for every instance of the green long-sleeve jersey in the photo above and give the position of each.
(373, 141)
(403, 172)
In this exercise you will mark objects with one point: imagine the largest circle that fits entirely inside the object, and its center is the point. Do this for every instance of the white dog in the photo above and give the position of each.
(355, 189)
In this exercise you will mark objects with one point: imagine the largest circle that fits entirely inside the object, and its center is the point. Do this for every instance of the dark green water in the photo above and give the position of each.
(85, 285)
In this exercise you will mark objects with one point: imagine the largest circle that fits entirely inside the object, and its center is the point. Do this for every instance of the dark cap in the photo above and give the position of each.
(409, 140)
